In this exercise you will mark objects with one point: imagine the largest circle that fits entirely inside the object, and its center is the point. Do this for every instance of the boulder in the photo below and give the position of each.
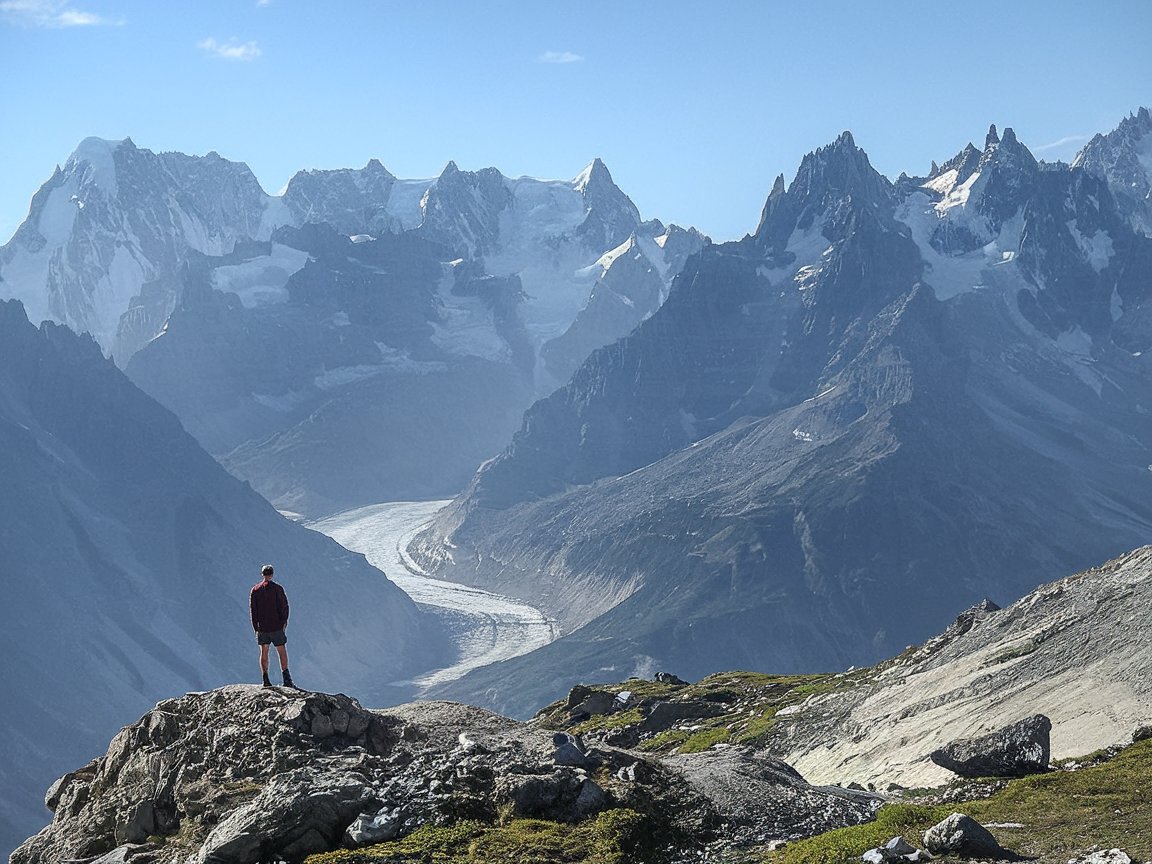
(669, 678)
(760, 797)
(385, 824)
(897, 849)
(1104, 856)
(564, 795)
(663, 715)
(596, 702)
(1015, 751)
(577, 695)
(964, 836)
(297, 814)
(568, 751)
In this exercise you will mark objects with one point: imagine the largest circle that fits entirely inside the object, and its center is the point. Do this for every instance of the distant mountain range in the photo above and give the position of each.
(889, 401)
(357, 339)
(126, 555)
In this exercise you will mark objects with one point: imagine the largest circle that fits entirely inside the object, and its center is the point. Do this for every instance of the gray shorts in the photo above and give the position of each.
(275, 637)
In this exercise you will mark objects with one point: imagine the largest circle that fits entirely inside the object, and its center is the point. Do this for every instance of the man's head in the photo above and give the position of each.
(266, 571)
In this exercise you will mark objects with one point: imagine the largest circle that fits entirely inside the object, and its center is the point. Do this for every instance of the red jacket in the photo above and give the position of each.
(269, 607)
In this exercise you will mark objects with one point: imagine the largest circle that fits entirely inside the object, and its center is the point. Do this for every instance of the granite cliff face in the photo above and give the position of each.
(888, 402)
(127, 554)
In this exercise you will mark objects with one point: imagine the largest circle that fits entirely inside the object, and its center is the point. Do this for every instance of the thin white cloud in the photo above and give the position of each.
(233, 49)
(1063, 142)
(263, 2)
(559, 57)
(52, 14)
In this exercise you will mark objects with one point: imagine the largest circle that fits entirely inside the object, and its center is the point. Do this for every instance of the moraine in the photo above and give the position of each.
(485, 628)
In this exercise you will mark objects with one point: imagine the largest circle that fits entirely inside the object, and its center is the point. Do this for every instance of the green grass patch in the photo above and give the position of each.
(757, 727)
(753, 698)
(666, 741)
(442, 844)
(608, 722)
(705, 738)
(1062, 813)
(613, 837)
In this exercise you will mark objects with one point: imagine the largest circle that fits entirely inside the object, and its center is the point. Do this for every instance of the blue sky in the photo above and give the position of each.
(695, 107)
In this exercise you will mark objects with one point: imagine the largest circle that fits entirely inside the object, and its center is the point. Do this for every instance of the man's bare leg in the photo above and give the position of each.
(264, 665)
(282, 650)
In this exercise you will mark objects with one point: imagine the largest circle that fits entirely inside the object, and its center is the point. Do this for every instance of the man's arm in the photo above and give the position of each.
(284, 597)
(252, 609)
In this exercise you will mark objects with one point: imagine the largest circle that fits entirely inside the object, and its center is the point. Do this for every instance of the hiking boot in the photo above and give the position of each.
(288, 680)
(267, 680)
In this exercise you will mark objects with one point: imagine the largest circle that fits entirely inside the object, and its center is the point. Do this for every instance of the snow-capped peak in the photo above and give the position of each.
(594, 173)
(97, 155)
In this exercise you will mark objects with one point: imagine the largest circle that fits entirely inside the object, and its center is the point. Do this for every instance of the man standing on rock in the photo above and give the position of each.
(269, 607)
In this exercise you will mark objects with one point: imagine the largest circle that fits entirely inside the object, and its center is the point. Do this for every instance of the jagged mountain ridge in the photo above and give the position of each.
(888, 401)
(1124, 158)
(105, 237)
(127, 554)
(469, 295)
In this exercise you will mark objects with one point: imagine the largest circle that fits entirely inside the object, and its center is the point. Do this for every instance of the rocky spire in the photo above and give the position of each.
(991, 138)
(836, 172)
(612, 216)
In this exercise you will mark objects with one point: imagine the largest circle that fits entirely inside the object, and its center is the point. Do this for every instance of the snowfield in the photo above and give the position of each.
(486, 628)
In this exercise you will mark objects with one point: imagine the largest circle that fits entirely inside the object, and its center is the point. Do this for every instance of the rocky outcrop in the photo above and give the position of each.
(246, 774)
(1104, 856)
(763, 799)
(1017, 750)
